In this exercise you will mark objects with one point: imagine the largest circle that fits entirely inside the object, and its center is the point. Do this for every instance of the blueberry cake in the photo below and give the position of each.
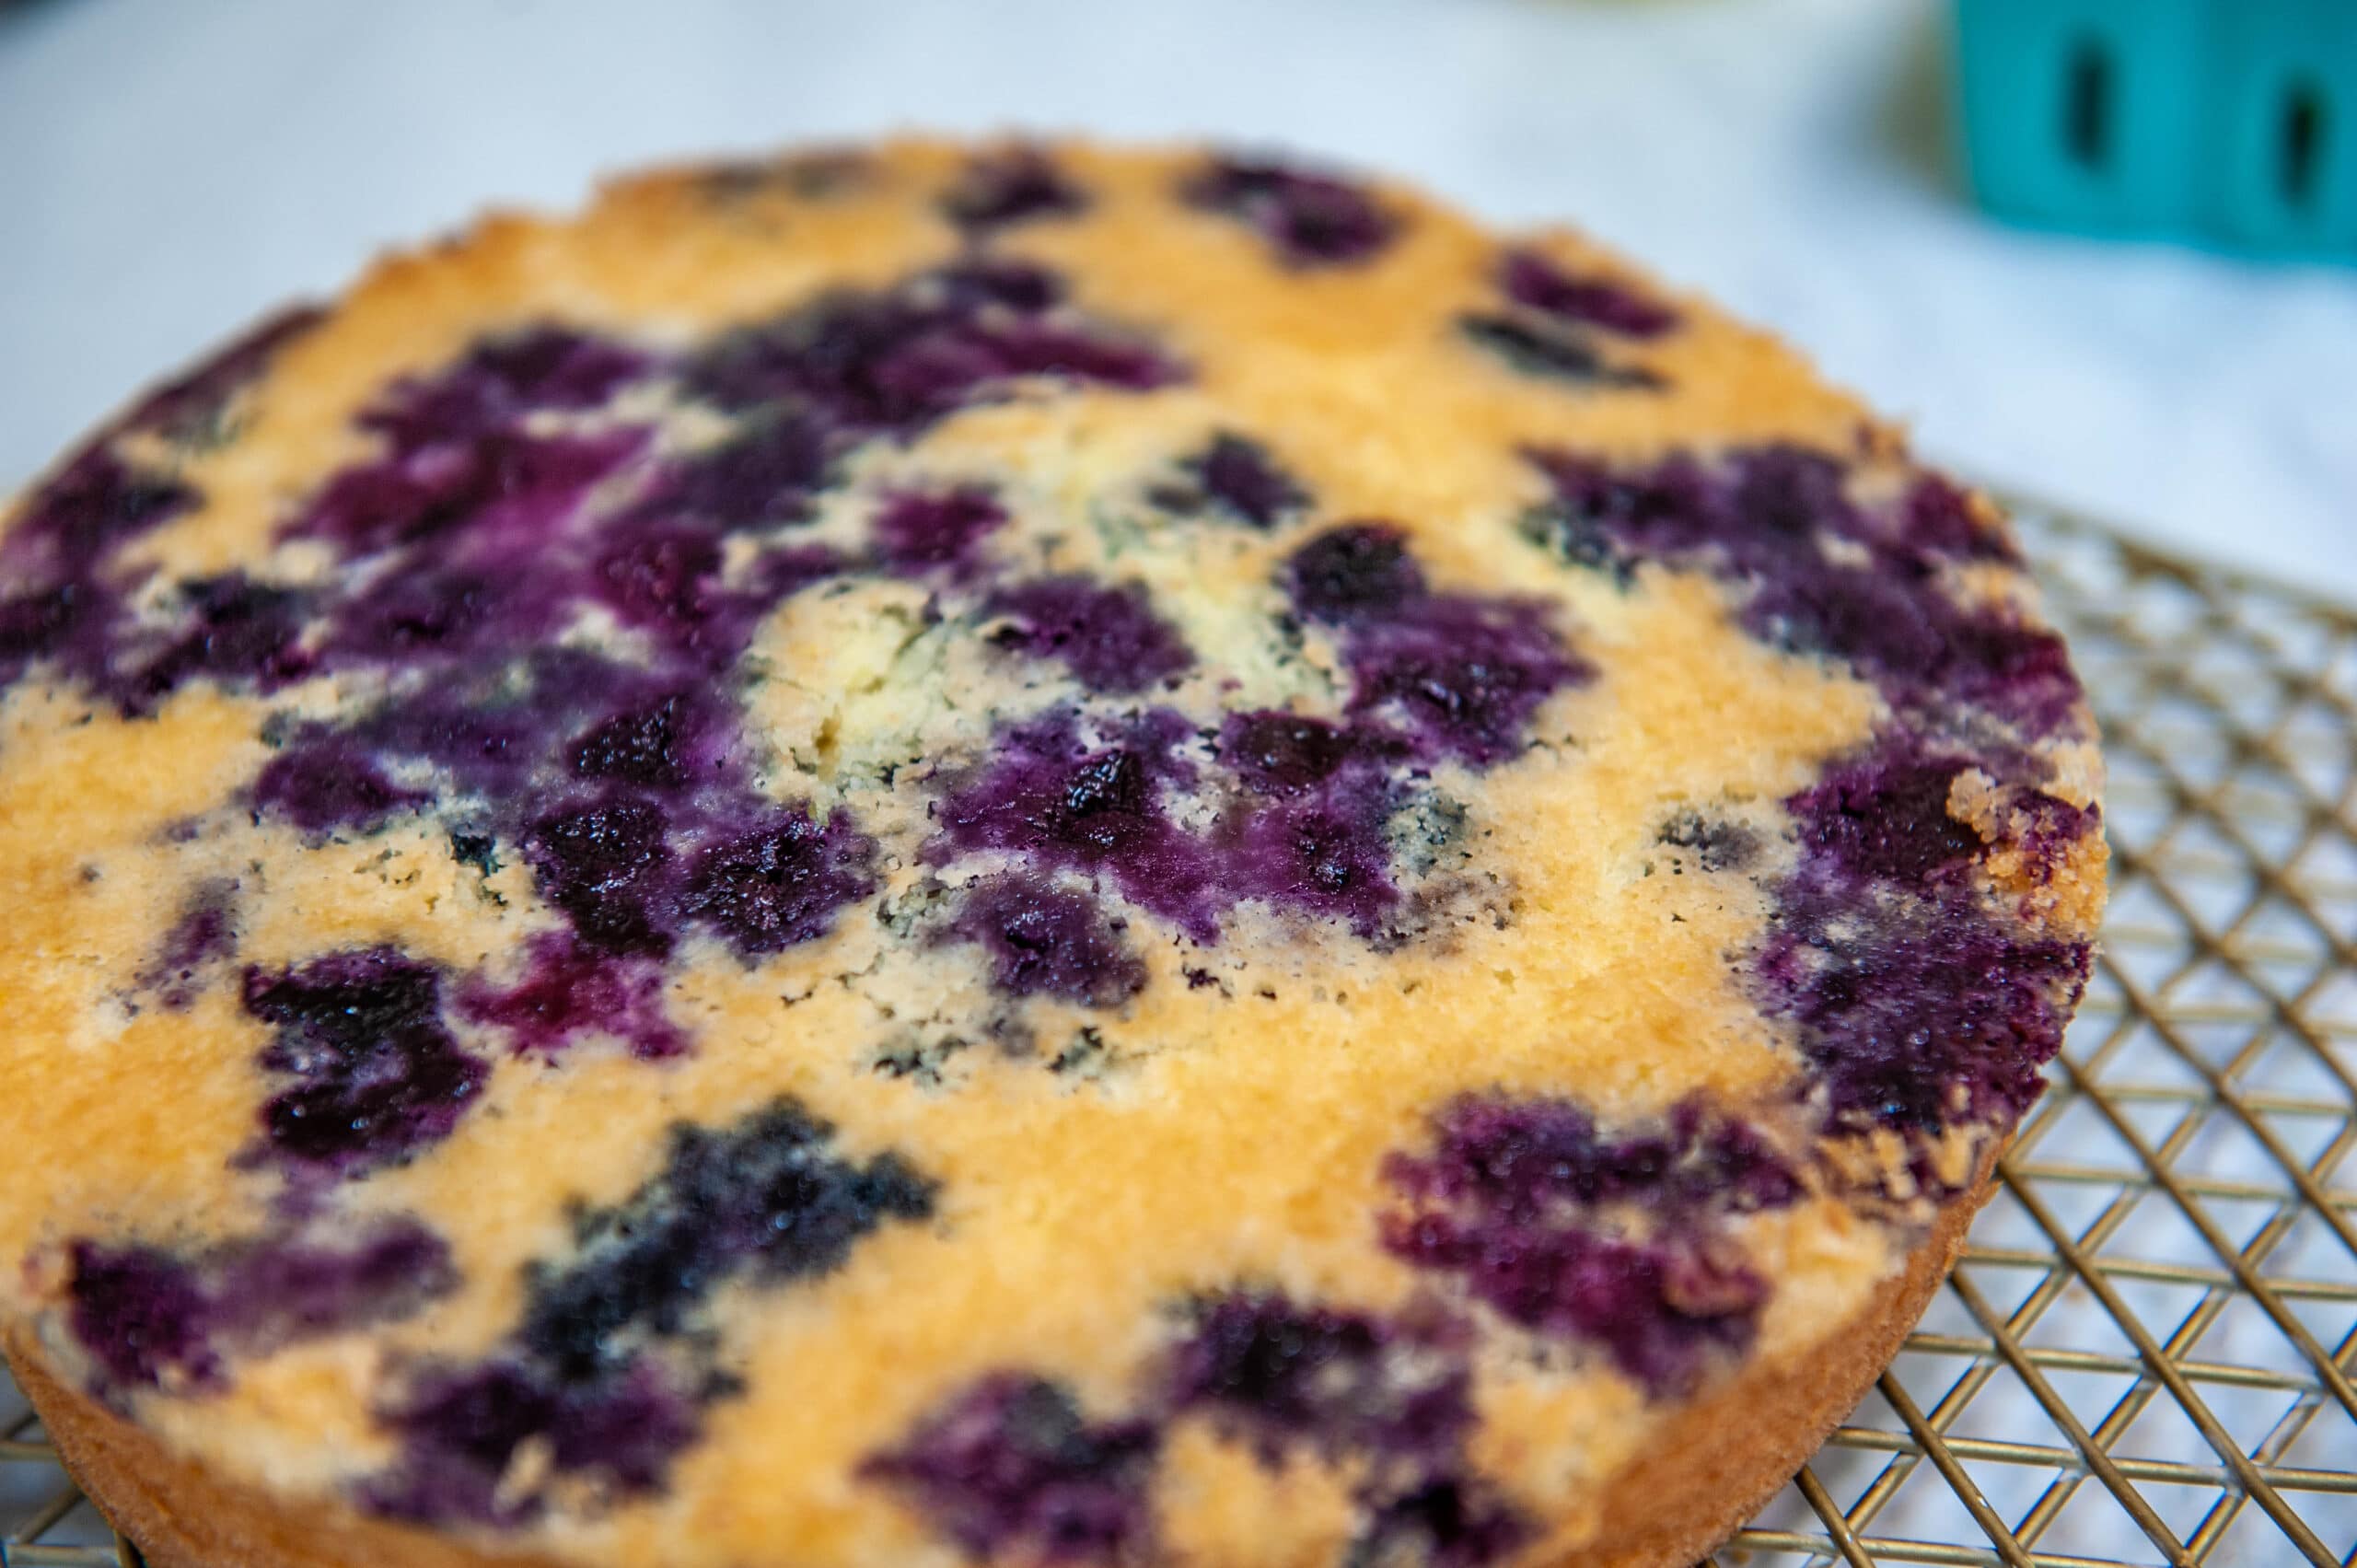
(1004, 854)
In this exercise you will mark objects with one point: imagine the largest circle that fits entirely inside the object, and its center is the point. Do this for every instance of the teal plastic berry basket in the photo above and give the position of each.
(2232, 121)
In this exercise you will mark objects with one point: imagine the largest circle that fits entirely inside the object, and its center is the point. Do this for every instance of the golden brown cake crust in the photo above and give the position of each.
(1005, 854)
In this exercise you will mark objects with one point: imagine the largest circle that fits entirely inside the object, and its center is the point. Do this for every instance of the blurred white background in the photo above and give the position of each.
(170, 168)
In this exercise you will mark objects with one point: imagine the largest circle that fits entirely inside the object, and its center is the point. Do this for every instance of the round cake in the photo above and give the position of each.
(1006, 853)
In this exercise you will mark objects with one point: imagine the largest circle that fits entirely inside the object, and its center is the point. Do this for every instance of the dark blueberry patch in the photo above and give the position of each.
(498, 483)
(1109, 637)
(1717, 845)
(567, 991)
(1764, 517)
(1016, 185)
(1465, 671)
(1013, 1466)
(768, 1197)
(142, 1313)
(606, 865)
(1329, 854)
(268, 1292)
(1515, 1199)
(1532, 280)
(60, 604)
(151, 1319)
(1045, 940)
(377, 1074)
(1066, 804)
(1289, 754)
(783, 883)
(1355, 572)
(920, 532)
(319, 785)
(1288, 1373)
(500, 381)
(1442, 1521)
(1237, 478)
(235, 629)
(1551, 352)
(1311, 219)
(1887, 817)
(1917, 1003)
(765, 478)
(657, 746)
(461, 1430)
(893, 362)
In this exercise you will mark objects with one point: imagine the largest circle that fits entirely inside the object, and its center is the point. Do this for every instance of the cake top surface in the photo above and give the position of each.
(1016, 852)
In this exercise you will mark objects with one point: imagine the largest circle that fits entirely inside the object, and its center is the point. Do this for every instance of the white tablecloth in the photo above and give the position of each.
(168, 168)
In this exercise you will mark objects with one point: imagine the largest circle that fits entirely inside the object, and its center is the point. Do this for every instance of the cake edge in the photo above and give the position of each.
(1703, 1474)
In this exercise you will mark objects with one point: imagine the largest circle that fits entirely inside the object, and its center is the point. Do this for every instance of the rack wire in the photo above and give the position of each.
(2146, 1355)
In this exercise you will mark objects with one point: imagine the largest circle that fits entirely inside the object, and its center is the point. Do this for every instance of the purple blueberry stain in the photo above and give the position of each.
(1464, 672)
(607, 866)
(1235, 477)
(1063, 802)
(1354, 574)
(1515, 1199)
(783, 883)
(1918, 1004)
(1536, 282)
(1013, 1465)
(1287, 754)
(1286, 1374)
(65, 603)
(567, 991)
(894, 362)
(1044, 939)
(919, 531)
(141, 1314)
(464, 1432)
(377, 1075)
(322, 785)
(1823, 574)
(154, 1318)
(1311, 219)
(764, 478)
(1110, 638)
(1010, 186)
(499, 484)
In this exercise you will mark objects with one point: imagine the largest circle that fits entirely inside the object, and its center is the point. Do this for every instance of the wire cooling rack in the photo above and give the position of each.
(2146, 1354)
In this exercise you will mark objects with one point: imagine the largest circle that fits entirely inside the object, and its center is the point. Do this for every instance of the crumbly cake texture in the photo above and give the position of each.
(1009, 854)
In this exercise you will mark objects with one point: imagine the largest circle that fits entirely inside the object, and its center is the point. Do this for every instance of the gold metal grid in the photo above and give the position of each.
(2146, 1354)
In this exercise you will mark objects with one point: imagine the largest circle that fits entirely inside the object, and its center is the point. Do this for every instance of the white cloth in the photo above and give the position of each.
(171, 168)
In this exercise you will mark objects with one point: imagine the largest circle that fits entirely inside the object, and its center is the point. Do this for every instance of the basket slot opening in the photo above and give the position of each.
(2300, 149)
(2086, 103)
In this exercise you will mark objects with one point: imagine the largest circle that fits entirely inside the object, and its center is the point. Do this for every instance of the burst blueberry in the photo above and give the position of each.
(1110, 638)
(1311, 219)
(377, 1074)
(1012, 1465)
(1048, 940)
